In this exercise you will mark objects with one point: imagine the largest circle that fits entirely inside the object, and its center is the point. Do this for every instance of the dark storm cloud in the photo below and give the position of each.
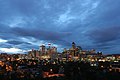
(17, 42)
(25, 46)
(103, 35)
(61, 42)
(4, 28)
(110, 12)
(106, 38)
(5, 45)
(106, 14)
(14, 42)
(5, 32)
(40, 34)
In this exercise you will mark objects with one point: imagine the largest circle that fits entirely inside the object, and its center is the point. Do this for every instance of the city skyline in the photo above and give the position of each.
(91, 24)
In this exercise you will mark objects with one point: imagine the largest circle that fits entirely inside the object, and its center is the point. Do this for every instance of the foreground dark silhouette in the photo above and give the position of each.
(32, 69)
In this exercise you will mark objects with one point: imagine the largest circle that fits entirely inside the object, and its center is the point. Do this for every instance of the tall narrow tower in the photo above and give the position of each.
(42, 49)
(73, 45)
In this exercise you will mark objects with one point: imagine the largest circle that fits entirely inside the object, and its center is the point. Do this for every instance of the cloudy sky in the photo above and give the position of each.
(91, 24)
